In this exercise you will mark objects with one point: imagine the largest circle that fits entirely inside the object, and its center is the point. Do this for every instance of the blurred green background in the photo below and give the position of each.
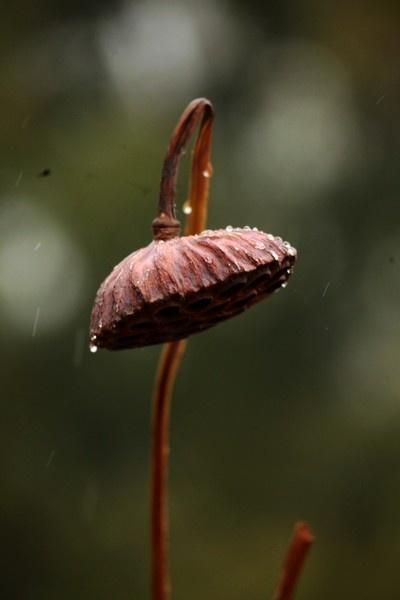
(289, 411)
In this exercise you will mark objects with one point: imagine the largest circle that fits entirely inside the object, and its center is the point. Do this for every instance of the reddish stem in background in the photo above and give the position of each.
(166, 226)
(296, 554)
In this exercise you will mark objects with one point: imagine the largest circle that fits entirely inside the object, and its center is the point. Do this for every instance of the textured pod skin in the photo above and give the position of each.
(172, 289)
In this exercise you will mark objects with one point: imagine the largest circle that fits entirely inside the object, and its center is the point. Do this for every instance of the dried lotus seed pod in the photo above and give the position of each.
(174, 288)
(178, 286)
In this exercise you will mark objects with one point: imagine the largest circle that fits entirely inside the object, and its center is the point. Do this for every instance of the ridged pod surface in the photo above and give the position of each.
(174, 288)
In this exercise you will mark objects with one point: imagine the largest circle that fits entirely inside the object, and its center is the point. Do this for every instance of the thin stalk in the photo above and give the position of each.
(299, 546)
(167, 368)
(164, 227)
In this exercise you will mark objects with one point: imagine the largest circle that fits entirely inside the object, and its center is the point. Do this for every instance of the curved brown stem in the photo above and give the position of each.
(165, 225)
(167, 368)
(172, 352)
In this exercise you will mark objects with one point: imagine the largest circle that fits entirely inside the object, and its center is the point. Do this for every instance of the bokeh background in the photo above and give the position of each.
(289, 411)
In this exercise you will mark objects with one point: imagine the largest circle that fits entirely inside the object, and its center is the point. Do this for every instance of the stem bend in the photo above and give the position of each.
(165, 225)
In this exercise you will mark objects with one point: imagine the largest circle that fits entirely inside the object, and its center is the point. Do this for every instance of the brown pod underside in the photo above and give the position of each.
(172, 289)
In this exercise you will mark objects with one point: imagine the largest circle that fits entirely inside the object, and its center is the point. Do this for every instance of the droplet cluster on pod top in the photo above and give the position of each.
(172, 289)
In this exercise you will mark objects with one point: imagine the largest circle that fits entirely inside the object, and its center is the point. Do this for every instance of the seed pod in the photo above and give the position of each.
(174, 288)
(178, 286)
